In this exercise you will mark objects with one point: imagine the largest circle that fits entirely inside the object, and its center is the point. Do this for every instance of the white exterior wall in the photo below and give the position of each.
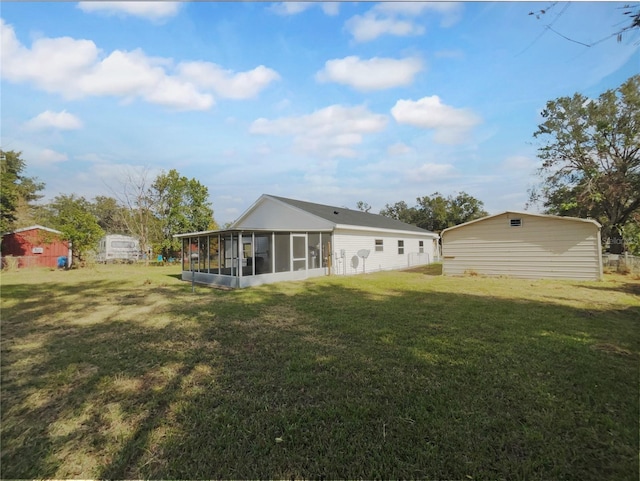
(272, 215)
(543, 247)
(351, 241)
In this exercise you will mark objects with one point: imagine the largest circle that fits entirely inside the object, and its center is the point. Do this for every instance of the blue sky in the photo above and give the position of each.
(326, 102)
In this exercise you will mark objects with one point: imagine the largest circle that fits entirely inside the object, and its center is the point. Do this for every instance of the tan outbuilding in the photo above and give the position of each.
(518, 244)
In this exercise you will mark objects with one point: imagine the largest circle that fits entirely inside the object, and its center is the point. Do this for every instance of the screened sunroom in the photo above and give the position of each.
(241, 258)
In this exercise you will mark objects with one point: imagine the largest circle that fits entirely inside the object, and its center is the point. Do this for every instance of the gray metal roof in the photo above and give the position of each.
(344, 216)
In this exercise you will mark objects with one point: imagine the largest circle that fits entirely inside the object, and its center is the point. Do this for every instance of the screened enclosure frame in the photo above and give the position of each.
(239, 258)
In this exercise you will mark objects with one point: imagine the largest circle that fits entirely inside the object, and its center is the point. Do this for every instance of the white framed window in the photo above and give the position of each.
(421, 247)
(379, 245)
(515, 222)
(400, 247)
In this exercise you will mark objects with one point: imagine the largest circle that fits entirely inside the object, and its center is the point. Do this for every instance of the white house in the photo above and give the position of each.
(280, 239)
(525, 245)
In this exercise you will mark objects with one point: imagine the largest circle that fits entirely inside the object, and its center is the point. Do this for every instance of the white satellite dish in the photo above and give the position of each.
(364, 253)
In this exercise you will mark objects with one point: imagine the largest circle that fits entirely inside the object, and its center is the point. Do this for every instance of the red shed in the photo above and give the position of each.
(35, 246)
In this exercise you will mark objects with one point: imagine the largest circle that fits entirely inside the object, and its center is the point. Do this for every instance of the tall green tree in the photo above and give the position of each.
(401, 211)
(180, 205)
(111, 215)
(17, 191)
(73, 216)
(437, 212)
(590, 152)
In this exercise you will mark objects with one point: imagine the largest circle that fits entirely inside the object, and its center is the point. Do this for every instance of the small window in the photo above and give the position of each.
(400, 247)
(515, 222)
(421, 247)
(379, 245)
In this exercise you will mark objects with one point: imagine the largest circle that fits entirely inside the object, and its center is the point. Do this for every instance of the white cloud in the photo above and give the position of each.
(431, 171)
(54, 120)
(373, 74)
(154, 11)
(226, 83)
(399, 149)
(48, 157)
(333, 131)
(449, 12)
(331, 8)
(294, 8)
(400, 19)
(451, 125)
(370, 26)
(77, 69)
(290, 8)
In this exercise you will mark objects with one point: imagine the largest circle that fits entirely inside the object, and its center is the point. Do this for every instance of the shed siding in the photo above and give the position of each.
(352, 241)
(540, 248)
(21, 245)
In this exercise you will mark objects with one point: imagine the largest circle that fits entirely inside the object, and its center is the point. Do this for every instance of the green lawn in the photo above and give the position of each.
(122, 372)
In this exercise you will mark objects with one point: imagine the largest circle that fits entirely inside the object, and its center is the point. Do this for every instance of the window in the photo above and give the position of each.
(400, 247)
(421, 247)
(515, 222)
(379, 245)
(123, 245)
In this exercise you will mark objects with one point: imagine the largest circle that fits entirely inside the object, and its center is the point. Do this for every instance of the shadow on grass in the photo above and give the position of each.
(427, 270)
(632, 288)
(313, 380)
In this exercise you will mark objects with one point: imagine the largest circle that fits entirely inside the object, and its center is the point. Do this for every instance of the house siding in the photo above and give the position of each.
(542, 247)
(351, 241)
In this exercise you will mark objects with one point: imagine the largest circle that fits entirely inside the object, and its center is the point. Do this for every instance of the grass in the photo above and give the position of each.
(122, 372)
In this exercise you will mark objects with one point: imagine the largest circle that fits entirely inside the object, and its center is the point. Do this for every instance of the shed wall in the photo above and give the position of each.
(540, 248)
(34, 248)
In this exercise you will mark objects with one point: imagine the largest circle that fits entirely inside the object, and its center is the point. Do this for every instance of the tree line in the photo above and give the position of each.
(434, 213)
(153, 210)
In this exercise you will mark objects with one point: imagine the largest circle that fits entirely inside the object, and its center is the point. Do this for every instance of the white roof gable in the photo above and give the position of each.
(268, 213)
(33, 227)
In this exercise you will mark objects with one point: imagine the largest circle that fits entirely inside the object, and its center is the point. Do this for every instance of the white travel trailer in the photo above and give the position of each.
(118, 248)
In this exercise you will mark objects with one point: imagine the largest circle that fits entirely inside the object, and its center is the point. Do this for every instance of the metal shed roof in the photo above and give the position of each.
(546, 216)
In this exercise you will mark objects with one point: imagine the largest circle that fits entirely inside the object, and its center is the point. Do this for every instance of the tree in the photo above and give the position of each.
(138, 204)
(437, 212)
(400, 211)
(73, 217)
(111, 215)
(17, 192)
(180, 205)
(363, 206)
(590, 156)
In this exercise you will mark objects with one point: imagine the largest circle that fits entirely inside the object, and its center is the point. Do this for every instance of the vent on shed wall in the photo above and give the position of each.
(515, 222)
